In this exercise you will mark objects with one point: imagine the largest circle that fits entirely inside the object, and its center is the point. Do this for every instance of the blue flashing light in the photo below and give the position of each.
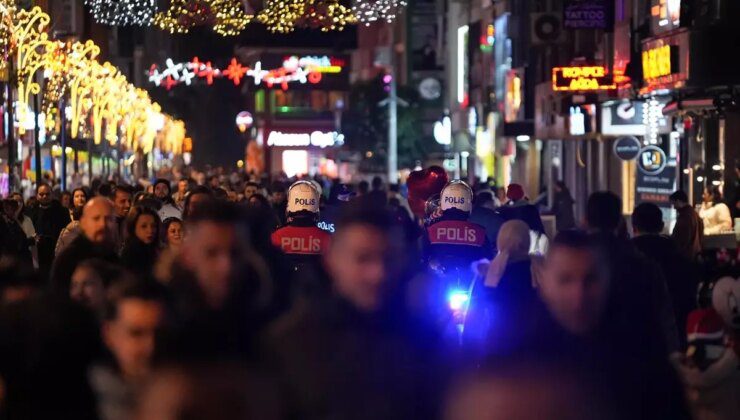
(458, 299)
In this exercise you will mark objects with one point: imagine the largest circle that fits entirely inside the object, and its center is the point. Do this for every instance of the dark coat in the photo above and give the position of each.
(680, 274)
(490, 220)
(563, 209)
(79, 250)
(13, 241)
(688, 232)
(139, 257)
(337, 363)
(48, 222)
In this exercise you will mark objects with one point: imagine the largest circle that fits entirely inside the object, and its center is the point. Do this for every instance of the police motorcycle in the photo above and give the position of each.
(452, 244)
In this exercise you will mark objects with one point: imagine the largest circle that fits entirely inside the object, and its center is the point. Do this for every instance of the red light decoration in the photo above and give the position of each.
(308, 69)
(235, 71)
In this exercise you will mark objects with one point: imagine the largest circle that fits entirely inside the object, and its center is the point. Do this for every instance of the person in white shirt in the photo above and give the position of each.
(714, 213)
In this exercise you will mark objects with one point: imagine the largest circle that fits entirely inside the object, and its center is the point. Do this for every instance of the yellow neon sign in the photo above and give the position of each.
(657, 62)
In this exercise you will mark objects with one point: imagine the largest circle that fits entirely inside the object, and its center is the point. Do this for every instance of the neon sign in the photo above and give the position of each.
(316, 138)
(660, 61)
(308, 69)
(586, 78)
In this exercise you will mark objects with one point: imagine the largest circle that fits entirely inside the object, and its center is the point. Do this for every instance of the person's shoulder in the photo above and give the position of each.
(298, 322)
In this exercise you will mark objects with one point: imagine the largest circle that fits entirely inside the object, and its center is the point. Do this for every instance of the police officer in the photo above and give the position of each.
(451, 240)
(300, 239)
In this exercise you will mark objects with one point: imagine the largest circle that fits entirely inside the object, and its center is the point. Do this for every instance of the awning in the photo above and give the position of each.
(682, 105)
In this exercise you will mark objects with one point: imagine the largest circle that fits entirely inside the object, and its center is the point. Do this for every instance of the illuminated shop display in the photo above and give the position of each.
(581, 78)
(308, 69)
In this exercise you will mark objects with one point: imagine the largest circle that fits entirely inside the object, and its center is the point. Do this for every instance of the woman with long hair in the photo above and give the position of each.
(172, 232)
(714, 212)
(141, 248)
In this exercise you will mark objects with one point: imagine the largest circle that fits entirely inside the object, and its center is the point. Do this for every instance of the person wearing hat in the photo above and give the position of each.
(451, 240)
(301, 240)
(519, 208)
(710, 369)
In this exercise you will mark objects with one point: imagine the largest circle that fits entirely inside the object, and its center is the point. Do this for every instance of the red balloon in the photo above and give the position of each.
(424, 184)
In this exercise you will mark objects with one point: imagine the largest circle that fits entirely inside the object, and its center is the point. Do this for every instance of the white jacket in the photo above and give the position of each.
(716, 218)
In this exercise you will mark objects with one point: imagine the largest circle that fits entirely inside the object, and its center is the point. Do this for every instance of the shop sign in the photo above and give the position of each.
(624, 118)
(581, 78)
(652, 160)
(657, 185)
(316, 138)
(588, 14)
(660, 61)
(627, 148)
(580, 120)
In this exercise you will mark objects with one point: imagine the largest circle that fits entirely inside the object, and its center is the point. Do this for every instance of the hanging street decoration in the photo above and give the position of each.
(369, 11)
(307, 69)
(123, 12)
(98, 100)
(325, 15)
(286, 15)
(226, 17)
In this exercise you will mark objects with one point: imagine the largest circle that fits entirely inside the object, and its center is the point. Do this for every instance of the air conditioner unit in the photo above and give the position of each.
(546, 28)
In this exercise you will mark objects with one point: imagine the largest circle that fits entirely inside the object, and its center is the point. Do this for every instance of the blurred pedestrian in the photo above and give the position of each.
(220, 285)
(278, 198)
(172, 233)
(632, 271)
(90, 281)
(364, 319)
(689, 228)
(681, 276)
(163, 192)
(250, 189)
(14, 242)
(485, 215)
(65, 199)
(183, 186)
(122, 201)
(196, 197)
(141, 248)
(214, 390)
(70, 232)
(589, 326)
(563, 207)
(49, 218)
(714, 212)
(97, 240)
(135, 316)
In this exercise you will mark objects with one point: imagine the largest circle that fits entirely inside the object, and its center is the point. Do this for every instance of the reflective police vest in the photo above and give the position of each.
(456, 232)
(301, 240)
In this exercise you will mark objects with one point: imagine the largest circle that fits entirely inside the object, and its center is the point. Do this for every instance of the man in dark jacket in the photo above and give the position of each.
(97, 240)
(484, 214)
(689, 229)
(49, 218)
(358, 353)
(586, 324)
(639, 282)
(679, 273)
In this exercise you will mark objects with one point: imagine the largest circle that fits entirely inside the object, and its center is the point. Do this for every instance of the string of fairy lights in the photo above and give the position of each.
(230, 18)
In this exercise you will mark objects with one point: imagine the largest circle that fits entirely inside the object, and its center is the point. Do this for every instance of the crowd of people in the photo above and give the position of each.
(230, 297)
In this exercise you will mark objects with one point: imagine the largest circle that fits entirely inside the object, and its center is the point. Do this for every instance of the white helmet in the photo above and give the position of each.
(456, 195)
(302, 195)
